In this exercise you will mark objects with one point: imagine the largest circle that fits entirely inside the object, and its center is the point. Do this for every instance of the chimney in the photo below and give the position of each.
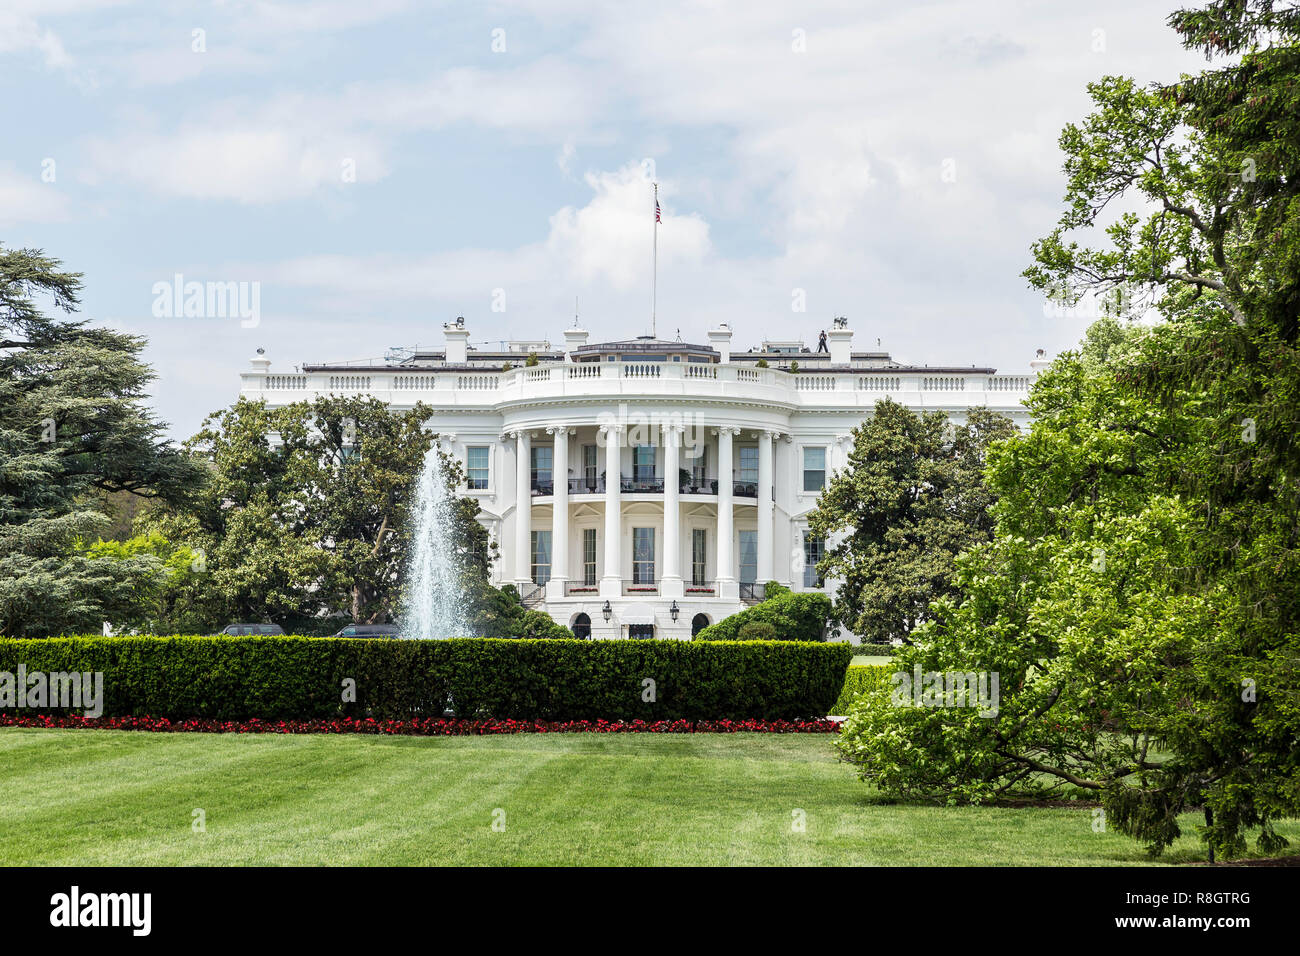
(457, 336)
(1040, 362)
(574, 338)
(720, 339)
(840, 341)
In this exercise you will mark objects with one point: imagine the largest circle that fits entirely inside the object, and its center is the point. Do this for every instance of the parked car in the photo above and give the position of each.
(261, 630)
(368, 630)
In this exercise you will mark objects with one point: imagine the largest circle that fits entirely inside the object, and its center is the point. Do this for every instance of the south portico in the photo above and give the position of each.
(679, 501)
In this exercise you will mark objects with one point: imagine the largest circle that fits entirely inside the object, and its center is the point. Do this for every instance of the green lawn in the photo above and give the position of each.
(76, 797)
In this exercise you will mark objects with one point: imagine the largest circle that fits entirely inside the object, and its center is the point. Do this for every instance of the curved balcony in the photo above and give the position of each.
(645, 486)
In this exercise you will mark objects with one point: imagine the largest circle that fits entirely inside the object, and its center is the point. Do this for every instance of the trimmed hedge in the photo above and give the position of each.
(792, 617)
(302, 678)
(860, 678)
(880, 650)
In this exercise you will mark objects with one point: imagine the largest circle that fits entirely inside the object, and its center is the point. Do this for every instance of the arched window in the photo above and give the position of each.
(581, 626)
(698, 623)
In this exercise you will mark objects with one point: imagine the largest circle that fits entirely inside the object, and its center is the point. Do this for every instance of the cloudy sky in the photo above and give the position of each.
(380, 167)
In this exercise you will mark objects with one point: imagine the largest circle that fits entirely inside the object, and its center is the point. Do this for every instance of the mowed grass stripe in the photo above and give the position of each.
(104, 797)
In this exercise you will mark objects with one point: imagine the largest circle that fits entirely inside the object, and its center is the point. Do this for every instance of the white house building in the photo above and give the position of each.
(647, 487)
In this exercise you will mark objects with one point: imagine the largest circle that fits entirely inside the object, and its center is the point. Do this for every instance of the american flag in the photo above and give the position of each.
(657, 218)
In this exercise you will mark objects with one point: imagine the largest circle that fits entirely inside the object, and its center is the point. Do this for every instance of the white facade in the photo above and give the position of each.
(747, 448)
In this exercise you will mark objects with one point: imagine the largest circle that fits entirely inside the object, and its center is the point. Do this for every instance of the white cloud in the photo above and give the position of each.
(609, 239)
(546, 95)
(275, 154)
(20, 33)
(24, 199)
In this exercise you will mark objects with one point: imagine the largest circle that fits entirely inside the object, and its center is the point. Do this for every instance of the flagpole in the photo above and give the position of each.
(654, 287)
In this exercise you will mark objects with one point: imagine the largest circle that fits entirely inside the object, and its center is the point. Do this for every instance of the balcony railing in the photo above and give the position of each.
(647, 486)
(751, 592)
(701, 589)
(698, 485)
(580, 588)
(461, 386)
(640, 587)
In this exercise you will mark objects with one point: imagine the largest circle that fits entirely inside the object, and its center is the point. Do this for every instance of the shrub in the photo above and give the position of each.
(793, 617)
(857, 680)
(540, 626)
(880, 650)
(304, 678)
(757, 631)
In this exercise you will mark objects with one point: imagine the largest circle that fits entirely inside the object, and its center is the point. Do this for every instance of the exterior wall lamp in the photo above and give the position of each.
(607, 610)
(674, 611)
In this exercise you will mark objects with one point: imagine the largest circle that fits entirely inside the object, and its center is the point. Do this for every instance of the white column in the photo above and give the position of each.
(670, 581)
(726, 572)
(765, 554)
(611, 582)
(559, 513)
(523, 509)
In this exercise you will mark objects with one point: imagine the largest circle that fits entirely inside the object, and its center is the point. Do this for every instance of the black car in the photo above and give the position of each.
(260, 630)
(368, 630)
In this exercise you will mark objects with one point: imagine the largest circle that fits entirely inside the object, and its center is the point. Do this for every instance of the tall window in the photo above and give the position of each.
(814, 469)
(643, 555)
(542, 474)
(699, 556)
(748, 465)
(590, 468)
(748, 557)
(814, 549)
(476, 467)
(643, 463)
(541, 557)
(588, 556)
(699, 468)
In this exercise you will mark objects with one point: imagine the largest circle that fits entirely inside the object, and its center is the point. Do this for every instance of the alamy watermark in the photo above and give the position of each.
(64, 690)
(208, 300)
(978, 689)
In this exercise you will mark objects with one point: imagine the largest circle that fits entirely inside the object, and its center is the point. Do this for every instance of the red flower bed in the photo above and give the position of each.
(422, 727)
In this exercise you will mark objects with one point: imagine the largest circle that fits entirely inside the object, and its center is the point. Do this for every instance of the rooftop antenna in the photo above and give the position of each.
(575, 311)
(654, 288)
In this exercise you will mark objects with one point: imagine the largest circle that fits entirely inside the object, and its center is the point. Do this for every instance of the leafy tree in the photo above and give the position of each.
(72, 426)
(306, 514)
(1071, 605)
(911, 499)
(1214, 160)
(1141, 593)
(163, 601)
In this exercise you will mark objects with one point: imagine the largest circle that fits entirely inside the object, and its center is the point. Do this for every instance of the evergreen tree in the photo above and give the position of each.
(73, 424)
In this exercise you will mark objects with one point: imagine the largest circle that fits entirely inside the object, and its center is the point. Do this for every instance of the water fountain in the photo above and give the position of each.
(435, 605)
